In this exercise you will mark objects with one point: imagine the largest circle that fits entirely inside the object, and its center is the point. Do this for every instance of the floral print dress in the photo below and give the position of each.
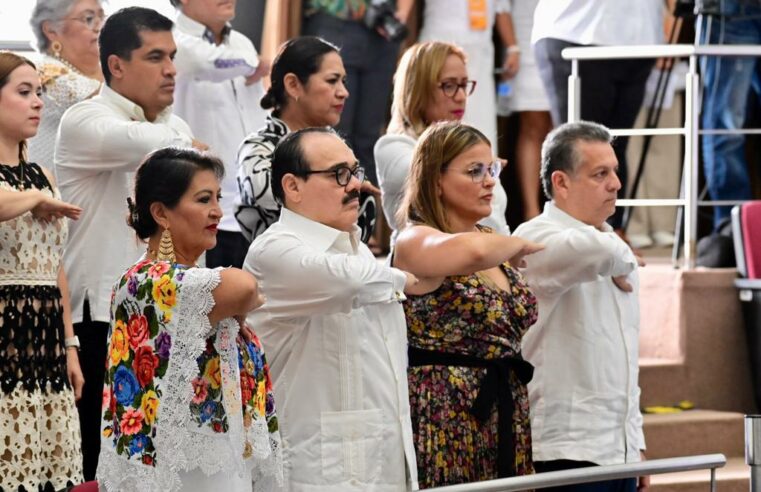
(181, 394)
(471, 317)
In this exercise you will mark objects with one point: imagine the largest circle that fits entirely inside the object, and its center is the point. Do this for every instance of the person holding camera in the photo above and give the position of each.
(369, 33)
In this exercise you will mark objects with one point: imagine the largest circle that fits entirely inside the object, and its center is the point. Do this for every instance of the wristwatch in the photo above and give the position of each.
(72, 342)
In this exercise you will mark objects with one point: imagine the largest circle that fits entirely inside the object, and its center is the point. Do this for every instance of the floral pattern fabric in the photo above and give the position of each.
(163, 394)
(466, 315)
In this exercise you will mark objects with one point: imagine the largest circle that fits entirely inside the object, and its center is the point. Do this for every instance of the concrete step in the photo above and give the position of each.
(733, 477)
(694, 432)
(662, 381)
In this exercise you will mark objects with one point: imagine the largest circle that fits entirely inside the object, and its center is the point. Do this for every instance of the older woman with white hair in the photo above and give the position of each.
(67, 37)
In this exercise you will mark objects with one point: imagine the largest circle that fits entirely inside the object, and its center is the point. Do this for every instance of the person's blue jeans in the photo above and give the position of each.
(727, 84)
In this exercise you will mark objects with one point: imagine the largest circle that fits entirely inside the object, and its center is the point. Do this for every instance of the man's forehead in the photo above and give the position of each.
(594, 154)
(153, 40)
(323, 150)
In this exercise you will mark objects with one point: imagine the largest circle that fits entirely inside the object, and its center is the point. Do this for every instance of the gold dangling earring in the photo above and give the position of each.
(56, 47)
(166, 248)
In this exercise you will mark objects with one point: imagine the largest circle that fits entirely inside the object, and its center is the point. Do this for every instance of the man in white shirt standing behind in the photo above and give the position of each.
(100, 144)
(218, 92)
(332, 327)
(584, 347)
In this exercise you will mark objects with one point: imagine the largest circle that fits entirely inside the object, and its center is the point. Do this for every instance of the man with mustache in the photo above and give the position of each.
(332, 327)
(585, 346)
(101, 141)
(218, 92)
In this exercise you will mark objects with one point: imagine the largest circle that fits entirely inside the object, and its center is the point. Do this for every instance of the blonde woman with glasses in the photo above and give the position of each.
(466, 316)
(431, 84)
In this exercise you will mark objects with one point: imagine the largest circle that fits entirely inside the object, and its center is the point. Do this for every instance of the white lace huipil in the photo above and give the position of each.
(180, 394)
(62, 88)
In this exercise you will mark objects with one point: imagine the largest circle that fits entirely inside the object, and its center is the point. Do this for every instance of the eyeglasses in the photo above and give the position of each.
(342, 174)
(479, 171)
(89, 19)
(450, 88)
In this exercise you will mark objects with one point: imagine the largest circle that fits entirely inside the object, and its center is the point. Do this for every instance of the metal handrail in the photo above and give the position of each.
(594, 474)
(16, 46)
(691, 129)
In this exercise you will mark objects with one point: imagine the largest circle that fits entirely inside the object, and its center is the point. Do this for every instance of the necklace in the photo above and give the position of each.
(68, 65)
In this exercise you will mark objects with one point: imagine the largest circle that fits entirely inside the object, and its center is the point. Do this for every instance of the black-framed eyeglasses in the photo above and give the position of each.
(450, 88)
(90, 19)
(342, 174)
(479, 171)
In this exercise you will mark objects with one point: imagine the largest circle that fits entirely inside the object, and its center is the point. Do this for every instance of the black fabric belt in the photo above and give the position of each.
(494, 388)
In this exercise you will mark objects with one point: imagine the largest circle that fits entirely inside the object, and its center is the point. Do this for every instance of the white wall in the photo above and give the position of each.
(14, 15)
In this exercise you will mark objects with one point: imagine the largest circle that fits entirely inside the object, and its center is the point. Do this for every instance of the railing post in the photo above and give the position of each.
(691, 127)
(574, 92)
(753, 450)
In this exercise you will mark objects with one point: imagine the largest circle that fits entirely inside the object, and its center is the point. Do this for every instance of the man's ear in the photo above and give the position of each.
(560, 182)
(115, 66)
(292, 188)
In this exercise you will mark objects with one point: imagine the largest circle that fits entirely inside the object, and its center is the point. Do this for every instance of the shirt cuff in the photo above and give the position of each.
(399, 280)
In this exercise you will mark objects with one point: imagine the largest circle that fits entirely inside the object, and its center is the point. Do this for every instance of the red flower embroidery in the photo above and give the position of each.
(145, 365)
(137, 328)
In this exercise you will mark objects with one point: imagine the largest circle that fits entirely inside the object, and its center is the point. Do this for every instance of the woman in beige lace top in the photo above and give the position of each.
(67, 37)
(39, 366)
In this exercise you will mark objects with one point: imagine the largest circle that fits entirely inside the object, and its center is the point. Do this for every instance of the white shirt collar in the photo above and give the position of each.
(132, 110)
(195, 28)
(320, 236)
(554, 212)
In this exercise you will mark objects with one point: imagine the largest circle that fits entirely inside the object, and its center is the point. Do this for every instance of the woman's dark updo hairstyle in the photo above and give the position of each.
(301, 56)
(164, 176)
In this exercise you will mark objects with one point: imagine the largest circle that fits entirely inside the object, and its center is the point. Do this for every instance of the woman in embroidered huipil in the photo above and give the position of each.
(40, 376)
(187, 403)
(307, 90)
(466, 317)
(67, 37)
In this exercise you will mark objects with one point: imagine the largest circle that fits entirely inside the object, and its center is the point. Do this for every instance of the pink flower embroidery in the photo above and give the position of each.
(158, 269)
(200, 390)
(132, 422)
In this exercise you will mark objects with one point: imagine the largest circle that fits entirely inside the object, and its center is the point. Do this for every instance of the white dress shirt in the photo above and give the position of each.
(584, 347)
(599, 22)
(393, 157)
(212, 96)
(101, 142)
(335, 337)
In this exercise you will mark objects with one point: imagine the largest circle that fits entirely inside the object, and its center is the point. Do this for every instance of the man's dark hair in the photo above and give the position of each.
(175, 3)
(120, 34)
(289, 157)
(559, 151)
(164, 176)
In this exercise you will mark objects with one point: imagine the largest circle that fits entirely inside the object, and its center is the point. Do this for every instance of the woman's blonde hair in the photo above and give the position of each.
(439, 144)
(415, 83)
(8, 63)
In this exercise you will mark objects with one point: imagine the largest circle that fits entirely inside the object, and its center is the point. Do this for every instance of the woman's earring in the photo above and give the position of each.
(166, 248)
(56, 48)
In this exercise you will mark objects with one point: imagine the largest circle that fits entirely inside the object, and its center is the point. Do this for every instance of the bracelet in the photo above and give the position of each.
(72, 342)
(513, 49)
